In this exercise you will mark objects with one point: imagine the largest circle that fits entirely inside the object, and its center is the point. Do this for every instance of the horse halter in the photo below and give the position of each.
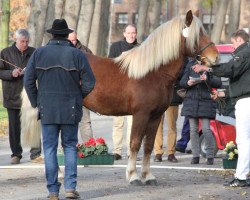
(200, 58)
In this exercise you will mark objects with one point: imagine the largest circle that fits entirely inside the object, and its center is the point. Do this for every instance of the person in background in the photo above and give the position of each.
(85, 128)
(13, 61)
(237, 70)
(181, 144)
(116, 49)
(198, 104)
(172, 116)
(59, 68)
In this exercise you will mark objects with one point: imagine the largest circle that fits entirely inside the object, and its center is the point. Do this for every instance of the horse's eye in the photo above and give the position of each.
(198, 57)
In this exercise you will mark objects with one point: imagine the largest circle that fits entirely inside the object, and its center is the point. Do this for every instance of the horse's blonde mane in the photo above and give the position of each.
(161, 47)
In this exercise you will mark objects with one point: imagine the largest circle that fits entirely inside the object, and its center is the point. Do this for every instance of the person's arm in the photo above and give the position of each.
(234, 68)
(30, 78)
(88, 78)
(8, 74)
(113, 52)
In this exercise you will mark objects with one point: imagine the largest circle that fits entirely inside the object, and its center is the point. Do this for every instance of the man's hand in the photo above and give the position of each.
(17, 72)
(215, 94)
(199, 68)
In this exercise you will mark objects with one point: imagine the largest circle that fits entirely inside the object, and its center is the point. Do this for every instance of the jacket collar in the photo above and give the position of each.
(241, 47)
(28, 51)
(60, 41)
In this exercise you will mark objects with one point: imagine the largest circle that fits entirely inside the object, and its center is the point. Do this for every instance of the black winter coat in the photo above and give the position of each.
(177, 100)
(12, 87)
(198, 102)
(118, 47)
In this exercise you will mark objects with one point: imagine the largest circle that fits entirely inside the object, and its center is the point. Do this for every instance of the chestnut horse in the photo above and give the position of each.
(140, 83)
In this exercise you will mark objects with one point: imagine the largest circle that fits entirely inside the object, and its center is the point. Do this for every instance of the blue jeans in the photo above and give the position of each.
(50, 143)
(185, 135)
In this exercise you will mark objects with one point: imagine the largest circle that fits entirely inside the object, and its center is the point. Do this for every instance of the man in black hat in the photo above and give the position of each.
(59, 68)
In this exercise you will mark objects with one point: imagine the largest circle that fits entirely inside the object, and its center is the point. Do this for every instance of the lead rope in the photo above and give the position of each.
(221, 102)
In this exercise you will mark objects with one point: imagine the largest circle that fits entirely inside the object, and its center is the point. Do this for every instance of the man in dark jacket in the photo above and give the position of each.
(116, 49)
(238, 71)
(85, 129)
(64, 78)
(13, 61)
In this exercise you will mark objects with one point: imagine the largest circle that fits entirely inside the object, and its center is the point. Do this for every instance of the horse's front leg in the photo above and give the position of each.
(148, 147)
(137, 133)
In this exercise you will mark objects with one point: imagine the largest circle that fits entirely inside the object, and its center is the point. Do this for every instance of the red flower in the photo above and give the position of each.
(81, 155)
(78, 145)
(100, 141)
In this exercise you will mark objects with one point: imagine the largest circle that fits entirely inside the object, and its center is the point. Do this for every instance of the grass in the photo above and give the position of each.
(3, 115)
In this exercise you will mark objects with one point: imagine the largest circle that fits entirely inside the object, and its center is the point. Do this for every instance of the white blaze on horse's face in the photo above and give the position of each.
(185, 32)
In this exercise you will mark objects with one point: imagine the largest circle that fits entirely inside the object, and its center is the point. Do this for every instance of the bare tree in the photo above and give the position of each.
(71, 12)
(208, 4)
(156, 14)
(104, 28)
(95, 27)
(142, 17)
(4, 23)
(219, 21)
(85, 21)
(36, 21)
(54, 11)
(234, 17)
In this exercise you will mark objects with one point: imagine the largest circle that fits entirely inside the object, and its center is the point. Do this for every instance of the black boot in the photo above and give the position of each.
(210, 161)
(195, 160)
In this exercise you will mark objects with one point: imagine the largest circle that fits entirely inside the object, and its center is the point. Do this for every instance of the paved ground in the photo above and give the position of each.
(180, 181)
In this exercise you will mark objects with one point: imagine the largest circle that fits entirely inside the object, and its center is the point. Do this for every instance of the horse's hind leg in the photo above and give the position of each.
(137, 134)
(148, 147)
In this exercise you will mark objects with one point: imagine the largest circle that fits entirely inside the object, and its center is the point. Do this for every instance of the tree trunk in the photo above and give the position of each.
(71, 12)
(54, 11)
(36, 22)
(85, 21)
(156, 11)
(95, 27)
(234, 18)
(4, 23)
(142, 19)
(104, 28)
(219, 21)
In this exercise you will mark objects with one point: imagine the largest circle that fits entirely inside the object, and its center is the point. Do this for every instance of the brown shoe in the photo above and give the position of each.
(15, 160)
(117, 156)
(172, 158)
(38, 160)
(158, 158)
(53, 197)
(72, 195)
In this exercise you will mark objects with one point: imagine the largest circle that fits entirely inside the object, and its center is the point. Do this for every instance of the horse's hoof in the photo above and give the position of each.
(136, 183)
(152, 182)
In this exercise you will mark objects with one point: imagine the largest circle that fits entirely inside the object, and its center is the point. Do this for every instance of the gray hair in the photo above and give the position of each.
(23, 33)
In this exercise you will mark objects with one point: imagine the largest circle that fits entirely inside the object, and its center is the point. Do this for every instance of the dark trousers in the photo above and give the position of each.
(185, 135)
(15, 132)
(15, 135)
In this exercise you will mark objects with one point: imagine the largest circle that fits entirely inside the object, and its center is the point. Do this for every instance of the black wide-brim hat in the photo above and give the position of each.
(60, 27)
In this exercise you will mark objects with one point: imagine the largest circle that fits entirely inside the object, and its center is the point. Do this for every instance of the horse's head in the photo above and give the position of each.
(198, 43)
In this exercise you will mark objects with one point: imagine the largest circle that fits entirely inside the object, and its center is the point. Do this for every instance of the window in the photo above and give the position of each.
(118, 1)
(122, 18)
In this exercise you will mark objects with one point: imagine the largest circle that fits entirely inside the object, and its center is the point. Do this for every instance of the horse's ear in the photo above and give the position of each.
(197, 13)
(189, 18)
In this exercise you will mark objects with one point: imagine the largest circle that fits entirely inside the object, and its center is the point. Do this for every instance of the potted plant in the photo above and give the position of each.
(92, 152)
(231, 157)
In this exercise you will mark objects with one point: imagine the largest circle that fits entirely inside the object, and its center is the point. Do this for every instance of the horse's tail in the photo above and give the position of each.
(30, 126)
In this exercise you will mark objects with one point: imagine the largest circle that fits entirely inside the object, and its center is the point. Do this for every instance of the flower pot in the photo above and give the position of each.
(105, 159)
(229, 164)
